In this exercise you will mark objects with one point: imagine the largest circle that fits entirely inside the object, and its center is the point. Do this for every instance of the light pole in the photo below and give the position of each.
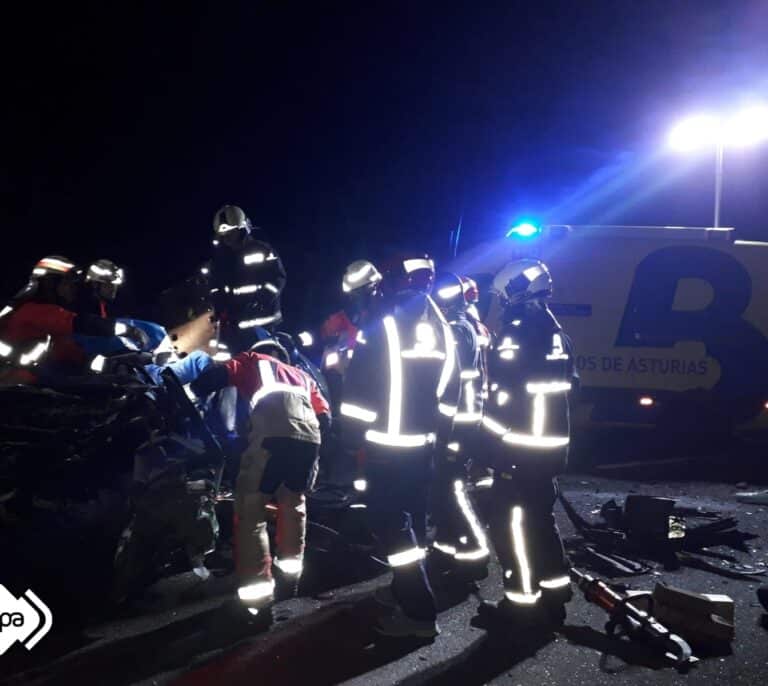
(745, 128)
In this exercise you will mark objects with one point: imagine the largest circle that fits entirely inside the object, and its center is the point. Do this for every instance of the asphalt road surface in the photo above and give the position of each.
(184, 632)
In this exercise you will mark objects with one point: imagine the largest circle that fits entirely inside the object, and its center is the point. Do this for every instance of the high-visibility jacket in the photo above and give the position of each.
(471, 375)
(530, 371)
(403, 378)
(246, 283)
(284, 401)
(31, 330)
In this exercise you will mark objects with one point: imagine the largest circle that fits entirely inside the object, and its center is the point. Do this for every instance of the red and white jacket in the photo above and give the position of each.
(284, 401)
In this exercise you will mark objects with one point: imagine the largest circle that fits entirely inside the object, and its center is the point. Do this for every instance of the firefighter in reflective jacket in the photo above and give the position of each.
(246, 279)
(288, 414)
(39, 326)
(361, 286)
(459, 535)
(403, 368)
(526, 422)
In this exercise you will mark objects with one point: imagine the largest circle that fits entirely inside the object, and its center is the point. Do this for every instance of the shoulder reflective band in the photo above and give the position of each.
(291, 566)
(5, 349)
(360, 337)
(97, 363)
(527, 597)
(332, 359)
(407, 557)
(259, 590)
(413, 265)
(6, 310)
(306, 338)
(357, 412)
(36, 352)
(474, 525)
(557, 582)
(254, 258)
(262, 321)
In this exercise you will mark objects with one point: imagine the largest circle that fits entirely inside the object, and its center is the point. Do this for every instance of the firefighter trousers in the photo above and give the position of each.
(526, 538)
(398, 492)
(459, 533)
(282, 471)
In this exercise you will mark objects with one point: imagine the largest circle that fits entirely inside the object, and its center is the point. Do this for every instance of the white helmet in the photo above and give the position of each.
(523, 281)
(361, 274)
(230, 218)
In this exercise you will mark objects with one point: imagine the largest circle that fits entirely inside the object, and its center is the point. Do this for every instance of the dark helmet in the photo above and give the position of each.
(230, 221)
(449, 293)
(408, 275)
(523, 281)
(105, 277)
(46, 277)
(273, 348)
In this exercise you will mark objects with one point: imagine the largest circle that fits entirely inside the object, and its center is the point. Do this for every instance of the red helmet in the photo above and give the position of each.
(408, 274)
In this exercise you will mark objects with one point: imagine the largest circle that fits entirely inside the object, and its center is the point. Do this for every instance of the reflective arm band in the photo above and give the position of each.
(357, 412)
(470, 374)
(406, 557)
(447, 410)
(399, 440)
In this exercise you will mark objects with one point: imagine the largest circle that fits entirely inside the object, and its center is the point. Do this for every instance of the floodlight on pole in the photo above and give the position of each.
(745, 128)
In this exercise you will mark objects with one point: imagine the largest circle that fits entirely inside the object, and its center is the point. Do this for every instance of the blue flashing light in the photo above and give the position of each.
(524, 230)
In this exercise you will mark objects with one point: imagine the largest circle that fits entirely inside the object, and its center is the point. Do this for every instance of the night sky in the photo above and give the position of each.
(345, 129)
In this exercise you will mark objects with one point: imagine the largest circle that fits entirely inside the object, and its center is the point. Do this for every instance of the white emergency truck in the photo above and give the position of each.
(669, 324)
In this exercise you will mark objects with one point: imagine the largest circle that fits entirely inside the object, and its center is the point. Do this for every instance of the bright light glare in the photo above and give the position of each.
(524, 230)
(694, 133)
(748, 127)
(646, 401)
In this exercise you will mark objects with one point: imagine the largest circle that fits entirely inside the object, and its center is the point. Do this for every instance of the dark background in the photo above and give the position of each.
(347, 128)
